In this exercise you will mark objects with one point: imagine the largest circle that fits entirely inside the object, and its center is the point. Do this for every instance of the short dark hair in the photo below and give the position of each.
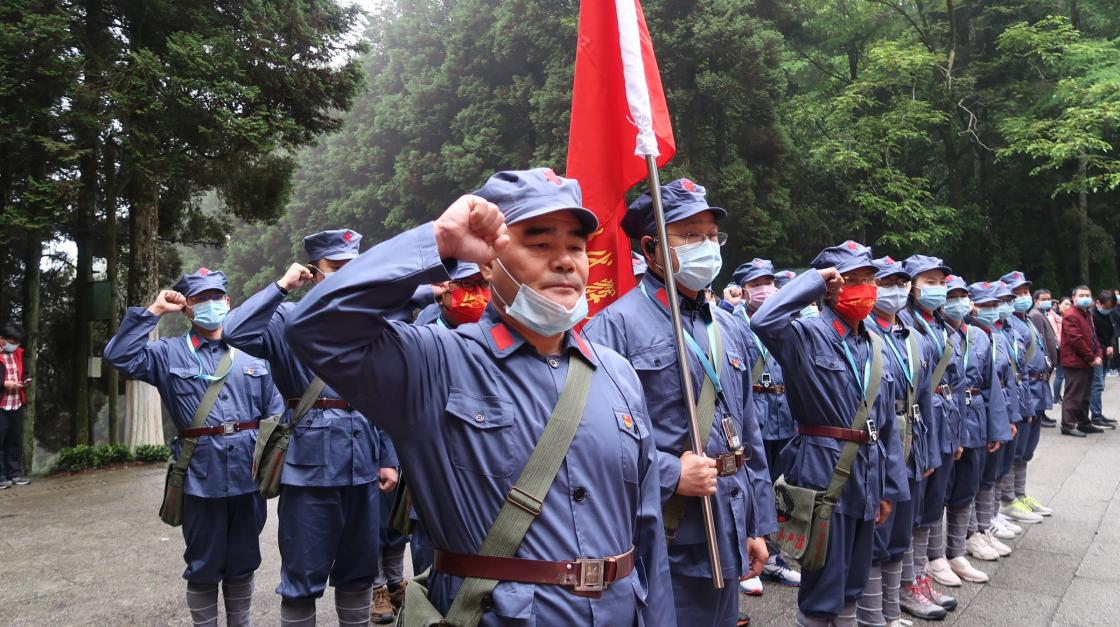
(1081, 287)
(1106, 296)
(1040, 291)
(12, 330)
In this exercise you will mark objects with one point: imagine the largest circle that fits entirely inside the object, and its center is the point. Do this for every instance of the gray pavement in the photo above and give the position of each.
(90, 550)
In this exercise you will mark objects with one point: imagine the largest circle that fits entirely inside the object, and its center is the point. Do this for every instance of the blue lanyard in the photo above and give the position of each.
(201, 374)
(855, 371)
(706, 363)
(967, 346)
(757, 342)
(940, 337)
(898, 357)
(441, 323)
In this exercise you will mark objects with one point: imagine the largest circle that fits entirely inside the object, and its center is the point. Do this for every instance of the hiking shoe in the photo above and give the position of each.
(1036, 506)
(913, 600)
(1048, 423)
(1089, 428)
(966, 571)
(933, 594)
(1002, 549)
(942, 572)
(776, 569)
(4, 485)
(396, 596)
(751, 587)
(1074, 432)
(21, 481)
(978, 547)
(1001, 530)
(381, 612)
(1019, 511)
(1102, 423)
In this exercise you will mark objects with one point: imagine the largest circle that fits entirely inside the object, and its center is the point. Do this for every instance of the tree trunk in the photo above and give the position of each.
(112, 271)
(81, 427)
(33, 255)
(1082, 221)
(142, 416)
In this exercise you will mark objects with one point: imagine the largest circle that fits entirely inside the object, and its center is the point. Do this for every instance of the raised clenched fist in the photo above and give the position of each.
(471, 229)
(168, 301)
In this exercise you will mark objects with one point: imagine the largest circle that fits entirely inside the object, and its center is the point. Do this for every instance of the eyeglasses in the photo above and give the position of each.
(201, 298)
(859, 280)
(719, 238)
(471, 284)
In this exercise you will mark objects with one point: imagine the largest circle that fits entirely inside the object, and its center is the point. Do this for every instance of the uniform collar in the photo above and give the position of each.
(197, 341)
(503, 340)
(656, 288)
(838, 325)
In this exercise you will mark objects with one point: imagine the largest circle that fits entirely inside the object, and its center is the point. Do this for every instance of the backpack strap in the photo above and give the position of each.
(310, 395)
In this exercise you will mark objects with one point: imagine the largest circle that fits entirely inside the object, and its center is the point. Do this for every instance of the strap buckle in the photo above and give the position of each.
(872, 431)
(968, 397)
(765, 380)
(229, 428)
(592, 575)
(524, 501)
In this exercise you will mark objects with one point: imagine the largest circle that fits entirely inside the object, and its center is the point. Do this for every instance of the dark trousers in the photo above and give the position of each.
(11, 442)
(1075, 399)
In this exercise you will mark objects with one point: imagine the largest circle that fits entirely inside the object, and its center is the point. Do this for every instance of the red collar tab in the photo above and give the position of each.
(883, 323)
(501, 336)
(582, 344)
(663, 297)
(839, 327)
(195, 341)
(928, 316)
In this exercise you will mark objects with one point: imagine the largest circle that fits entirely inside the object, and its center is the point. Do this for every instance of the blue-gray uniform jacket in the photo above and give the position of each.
(770, 410)
(1042, 397)
(944, 418)
(330, 447)
(428, 315)
(465, 409)
(898, 360)
(822, 390)
(983, 419)
(639, 328)
(1007, 344)
(1024, 334)
(221, 466)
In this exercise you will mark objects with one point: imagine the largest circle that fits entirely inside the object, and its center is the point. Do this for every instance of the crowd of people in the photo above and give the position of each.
(864, 427)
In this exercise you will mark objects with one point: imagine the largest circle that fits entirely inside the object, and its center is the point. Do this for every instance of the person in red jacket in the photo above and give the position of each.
(1081, 353)
(12, 398)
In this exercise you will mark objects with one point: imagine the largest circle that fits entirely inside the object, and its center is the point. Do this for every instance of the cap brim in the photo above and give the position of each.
(340, 257)
(883, 275)
(844, 269)
(586, 217)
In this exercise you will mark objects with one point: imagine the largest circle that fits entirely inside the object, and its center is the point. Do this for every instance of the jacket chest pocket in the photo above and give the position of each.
(184, 382)
(479, 433)
(630, 434)
(657, 368)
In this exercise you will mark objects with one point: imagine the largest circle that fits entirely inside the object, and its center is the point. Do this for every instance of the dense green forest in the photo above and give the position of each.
(220, 132)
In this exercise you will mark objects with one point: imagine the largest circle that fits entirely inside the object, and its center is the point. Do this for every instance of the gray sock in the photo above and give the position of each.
(870, 605)
(1006, 486)
(297, 612)
(985, 508)
(804, 620)
(202, 601)
(908, 565)
(1020, 470)
(352, 605)
(847, 617)
(956, 531)
(917, 556)
(892, 574)
(238, 596)
(973, 525)
(936, 541)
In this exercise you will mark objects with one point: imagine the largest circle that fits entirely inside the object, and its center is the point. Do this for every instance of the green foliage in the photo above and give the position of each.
(76, 458)
(151, 453)
(109, 454)
(85, 457)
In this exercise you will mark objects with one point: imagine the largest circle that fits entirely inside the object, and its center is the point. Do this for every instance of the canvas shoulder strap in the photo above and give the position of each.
(203, 410)
(310, 395)
(942, 366)
(859, 423)
(1032, 350)
(756, 372)
(526, 498)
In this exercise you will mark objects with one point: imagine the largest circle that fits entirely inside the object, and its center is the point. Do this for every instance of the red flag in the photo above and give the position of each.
(618, 116)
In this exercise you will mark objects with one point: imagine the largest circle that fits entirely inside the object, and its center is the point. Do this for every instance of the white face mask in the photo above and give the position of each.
(539, 313)
(891, 299)
(699, 264)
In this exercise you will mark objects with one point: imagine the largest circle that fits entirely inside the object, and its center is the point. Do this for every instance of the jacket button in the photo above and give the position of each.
(355, 434)
(479, 417)
(579, 494)
(225, 397)
(231, 447)
(555, 363)
(657, 362)
(487, 602)
(734, 492)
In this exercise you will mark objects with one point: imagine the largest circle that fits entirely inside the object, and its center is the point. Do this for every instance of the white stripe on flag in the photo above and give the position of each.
(633, 71)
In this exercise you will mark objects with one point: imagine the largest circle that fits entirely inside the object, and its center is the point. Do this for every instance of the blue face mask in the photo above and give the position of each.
(987, 316)
(1022, 304)
(1005, 310)
(9, 347)
(810, 311)
(932, 296)
(1045, 305)
(210, 314)
(538, 313)
(699, 264)
(957, 308)
(891, 299)
(1083, 303)
(1104, 312)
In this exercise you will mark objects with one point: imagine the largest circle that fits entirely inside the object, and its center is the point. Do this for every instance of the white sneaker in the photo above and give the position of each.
(1001, 530)
(1010, 524)
(962, 567)
(751, 587)
(1019, 511)
(776, 569)
(996, 545)
(942, 572)
(978, 547)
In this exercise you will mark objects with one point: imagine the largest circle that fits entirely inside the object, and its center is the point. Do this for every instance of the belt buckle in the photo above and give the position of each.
(229, 428)
(592, 575)
(765, 380)
(872, 431)
(727, 466)
(968, 397)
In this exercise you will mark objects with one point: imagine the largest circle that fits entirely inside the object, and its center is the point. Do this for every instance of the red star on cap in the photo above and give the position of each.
(689, 185)
(757, 263)
(950, 278)
(888, 260)
(346, 237)
(852, 245)
(986, 285)
(203, 272)
(1018, 275)
(551, 177)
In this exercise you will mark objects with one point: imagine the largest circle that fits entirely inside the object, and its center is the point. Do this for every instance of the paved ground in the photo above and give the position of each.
(90, 550)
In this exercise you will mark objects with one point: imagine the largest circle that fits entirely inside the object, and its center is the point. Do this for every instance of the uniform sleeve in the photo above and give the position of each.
(896, 486)
(339, 331)
(606, 329)
(274, 402)
(925, 404)
(649, 536)
(999, 423)
(775, 323)
(757, 466)
(256, 326)
(388, 451)
(130, 351)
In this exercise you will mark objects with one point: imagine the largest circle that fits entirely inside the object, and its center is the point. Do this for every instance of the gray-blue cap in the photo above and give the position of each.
(954, 282)
(200, 281)
(754, 269)
(1002, 291)
(844, 257)
(639, 263)
(681, 200)
(1015, 279)
(782, 277)
(524, 194)
(885, 267)
(917, 264)
(464, 270)
(983, 293)
(333, 245)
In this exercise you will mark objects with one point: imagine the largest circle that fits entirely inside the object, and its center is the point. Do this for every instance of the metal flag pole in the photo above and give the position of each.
(683, 361)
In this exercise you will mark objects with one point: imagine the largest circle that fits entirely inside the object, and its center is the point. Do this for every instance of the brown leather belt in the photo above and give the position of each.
(973, 391)
(226, 428)
(836, 433)
(944, 390)
(585, 577)
(1040, 377)
(322, 403)
(728, 464)
(769, 389)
